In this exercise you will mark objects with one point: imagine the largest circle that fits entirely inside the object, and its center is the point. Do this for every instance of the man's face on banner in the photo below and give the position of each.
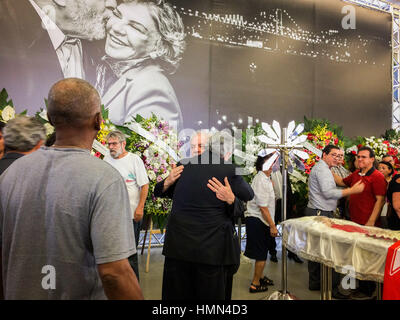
(131, 32)
(86, 19)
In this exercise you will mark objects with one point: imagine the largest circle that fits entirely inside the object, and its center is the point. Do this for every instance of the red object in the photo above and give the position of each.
(362, 204)
(348, 228)
(391, 280)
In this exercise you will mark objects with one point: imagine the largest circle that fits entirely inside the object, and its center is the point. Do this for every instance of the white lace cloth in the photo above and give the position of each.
(352, 253)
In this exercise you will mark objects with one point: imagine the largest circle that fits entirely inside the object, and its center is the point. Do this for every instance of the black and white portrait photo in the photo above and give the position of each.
(203, 63)
(126, 50)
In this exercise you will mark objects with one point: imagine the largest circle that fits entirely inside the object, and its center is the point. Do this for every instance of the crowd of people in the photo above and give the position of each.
(85, 214)
(358, 195)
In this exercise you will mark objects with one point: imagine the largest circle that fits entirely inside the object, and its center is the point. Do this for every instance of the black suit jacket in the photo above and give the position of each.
(8, 159)
(29, 65)
(200, 226)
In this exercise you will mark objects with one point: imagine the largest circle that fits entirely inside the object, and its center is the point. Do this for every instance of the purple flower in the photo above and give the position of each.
(159, 178)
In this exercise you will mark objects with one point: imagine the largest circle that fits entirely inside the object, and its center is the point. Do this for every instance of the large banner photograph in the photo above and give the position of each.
(205, 63)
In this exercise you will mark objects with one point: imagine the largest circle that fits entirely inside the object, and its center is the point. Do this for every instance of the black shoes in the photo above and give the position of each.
(273, 258)
(314, 288)
(295, 258)
(338, 295)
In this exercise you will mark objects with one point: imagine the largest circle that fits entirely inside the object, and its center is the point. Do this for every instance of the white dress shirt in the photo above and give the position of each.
(264, 196)
(68, 50)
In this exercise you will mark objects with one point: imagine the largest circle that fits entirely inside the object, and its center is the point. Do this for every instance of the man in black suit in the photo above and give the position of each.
(36, 52)
(200, 248)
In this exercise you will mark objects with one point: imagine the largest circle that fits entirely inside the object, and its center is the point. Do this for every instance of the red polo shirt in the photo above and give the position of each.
(362, 204)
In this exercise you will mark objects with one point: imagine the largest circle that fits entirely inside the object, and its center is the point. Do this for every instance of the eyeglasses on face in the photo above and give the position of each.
(336, 155)
(112, 144)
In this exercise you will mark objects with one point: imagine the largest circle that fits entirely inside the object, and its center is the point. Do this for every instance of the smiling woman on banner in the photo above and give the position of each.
(144, 40)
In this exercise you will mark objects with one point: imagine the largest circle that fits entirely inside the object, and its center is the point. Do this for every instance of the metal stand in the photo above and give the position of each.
(379, 290)
(283, 294)
(326, 282)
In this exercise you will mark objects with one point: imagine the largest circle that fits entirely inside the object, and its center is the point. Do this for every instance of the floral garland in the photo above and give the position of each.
(380, 146)
(320, 136)
(7, 111)
(157, 162)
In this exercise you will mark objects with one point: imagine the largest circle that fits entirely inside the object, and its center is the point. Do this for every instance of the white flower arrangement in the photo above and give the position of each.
(8, 113)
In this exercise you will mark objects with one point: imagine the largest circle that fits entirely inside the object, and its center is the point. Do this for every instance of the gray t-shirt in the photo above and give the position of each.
(65, 209)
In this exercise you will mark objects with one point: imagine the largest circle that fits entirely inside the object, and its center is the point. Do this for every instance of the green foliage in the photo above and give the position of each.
(391, 135)
(4, 101)
(311, 124)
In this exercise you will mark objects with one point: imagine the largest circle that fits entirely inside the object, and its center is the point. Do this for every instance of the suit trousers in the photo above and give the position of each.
(314, 268)
(133, 260)
(183, 280)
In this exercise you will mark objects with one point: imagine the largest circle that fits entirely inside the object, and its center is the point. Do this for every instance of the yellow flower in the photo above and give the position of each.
(49, 128)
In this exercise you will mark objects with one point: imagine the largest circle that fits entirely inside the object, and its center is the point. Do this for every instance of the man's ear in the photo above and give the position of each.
(97, 121)
(60, 3)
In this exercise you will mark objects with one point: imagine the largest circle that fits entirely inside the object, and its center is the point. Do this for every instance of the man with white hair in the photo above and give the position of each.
(22, 135)
(198, 142)
(132, 169)
(48, 40)
(200, 248)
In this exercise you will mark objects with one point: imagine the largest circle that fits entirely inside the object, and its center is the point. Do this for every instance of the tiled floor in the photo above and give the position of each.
(297, 278)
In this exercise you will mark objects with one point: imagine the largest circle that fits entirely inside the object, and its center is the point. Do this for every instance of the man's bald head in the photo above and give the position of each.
(72, 102)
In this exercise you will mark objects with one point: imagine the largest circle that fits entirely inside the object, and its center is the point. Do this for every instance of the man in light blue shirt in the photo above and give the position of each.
(323, 195)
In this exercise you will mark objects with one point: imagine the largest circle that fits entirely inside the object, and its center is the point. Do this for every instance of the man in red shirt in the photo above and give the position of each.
(365, 207)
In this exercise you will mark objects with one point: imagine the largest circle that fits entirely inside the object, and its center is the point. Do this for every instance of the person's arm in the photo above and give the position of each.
(380, 201)
(166, 187)
(241, 188)
(334, 193)
(339, 180)
(173, 176)
(267, 217)
(395, 200)
(222, 192)
(138, 215)
(119, 281)
(358, 187)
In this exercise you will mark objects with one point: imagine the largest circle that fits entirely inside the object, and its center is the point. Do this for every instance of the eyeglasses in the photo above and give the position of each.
(113, 144)
(336, 155)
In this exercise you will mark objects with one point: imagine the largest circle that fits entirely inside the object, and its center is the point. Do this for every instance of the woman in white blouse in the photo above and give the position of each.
(260, 226)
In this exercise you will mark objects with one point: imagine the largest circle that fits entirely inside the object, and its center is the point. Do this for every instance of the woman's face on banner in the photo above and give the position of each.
(131, 32)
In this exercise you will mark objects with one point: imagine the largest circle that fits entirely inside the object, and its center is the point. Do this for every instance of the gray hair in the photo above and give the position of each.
(23, 133)
(221, 143)
(171, 45)
(116, 134)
